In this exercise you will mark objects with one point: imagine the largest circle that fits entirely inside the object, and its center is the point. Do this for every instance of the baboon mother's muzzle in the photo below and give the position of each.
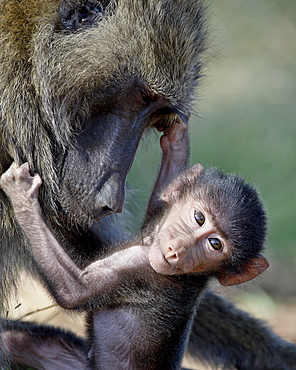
(110, 198)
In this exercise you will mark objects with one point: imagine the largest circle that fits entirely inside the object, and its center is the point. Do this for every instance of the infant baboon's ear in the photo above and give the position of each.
(191, 174)
(248, 271)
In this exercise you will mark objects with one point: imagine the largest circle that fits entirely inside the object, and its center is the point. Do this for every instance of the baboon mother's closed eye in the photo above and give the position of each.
(74, 18)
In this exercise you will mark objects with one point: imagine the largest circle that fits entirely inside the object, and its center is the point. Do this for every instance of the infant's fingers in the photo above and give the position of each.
(180, 123)
(37, 181)
(16, 171)
(23, 173)
(183, 125)
(178, 127)
(9, 175)
(25, 166)
(164, 143)
(13, 166)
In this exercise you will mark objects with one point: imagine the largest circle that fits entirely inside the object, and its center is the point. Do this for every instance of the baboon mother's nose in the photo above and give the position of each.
(110, 199)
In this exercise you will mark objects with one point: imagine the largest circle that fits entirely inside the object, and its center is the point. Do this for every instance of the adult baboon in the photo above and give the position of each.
(81, 81)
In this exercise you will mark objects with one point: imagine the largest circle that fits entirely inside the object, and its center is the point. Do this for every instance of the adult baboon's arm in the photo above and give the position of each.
(40, 346)
(238, 340)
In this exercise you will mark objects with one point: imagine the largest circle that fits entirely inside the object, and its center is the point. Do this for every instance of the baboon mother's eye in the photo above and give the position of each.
(199, 217)
(85, 15)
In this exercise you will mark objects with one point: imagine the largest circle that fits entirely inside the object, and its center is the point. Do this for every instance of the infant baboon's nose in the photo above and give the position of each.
(175, 256)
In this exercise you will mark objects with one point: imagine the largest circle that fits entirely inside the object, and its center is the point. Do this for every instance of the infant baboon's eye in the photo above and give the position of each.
(215, 243)
(199, 217)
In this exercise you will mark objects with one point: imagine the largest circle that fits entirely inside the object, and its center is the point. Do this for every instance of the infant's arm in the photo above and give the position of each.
(175, 152)
(70, 285)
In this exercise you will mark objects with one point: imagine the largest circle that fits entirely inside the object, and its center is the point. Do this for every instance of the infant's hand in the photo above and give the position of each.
(19, 185)
(175, 137)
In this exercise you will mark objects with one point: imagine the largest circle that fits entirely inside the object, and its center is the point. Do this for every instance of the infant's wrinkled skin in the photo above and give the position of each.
(182, 246)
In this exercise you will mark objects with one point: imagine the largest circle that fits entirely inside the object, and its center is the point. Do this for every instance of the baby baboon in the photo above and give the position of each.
(144, 313)
(143, 297)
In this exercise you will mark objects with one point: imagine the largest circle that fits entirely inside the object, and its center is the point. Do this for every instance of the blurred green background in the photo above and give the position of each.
(245, 120)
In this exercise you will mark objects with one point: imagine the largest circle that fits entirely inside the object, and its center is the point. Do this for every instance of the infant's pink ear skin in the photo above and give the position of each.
(251, 269)
(194, 172)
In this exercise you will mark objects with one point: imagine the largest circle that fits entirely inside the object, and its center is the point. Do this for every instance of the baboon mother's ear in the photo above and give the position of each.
(191, 174)
(249, 270)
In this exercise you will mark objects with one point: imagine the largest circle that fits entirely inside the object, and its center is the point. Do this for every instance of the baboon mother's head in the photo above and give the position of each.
(82, 80)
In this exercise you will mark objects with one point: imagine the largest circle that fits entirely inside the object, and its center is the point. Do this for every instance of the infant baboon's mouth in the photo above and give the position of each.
(175, 269)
